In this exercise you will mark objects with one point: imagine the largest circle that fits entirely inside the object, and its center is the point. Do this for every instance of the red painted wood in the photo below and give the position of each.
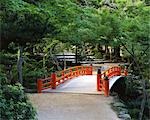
(53, 77)
(61, 76)
(39, 86)
(103, 84)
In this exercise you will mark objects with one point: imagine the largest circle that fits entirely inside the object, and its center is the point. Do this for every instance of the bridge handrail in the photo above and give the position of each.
(43, 84)
(60, 77)
(115, 70)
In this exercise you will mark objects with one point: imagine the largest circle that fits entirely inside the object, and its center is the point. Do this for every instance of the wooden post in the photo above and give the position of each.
(71, 73)
(77, 71)
(87, 70)
(98, 80)
(81, 70)
(39, 86)
(53, 76)
(91, 69)
(84, 70)
(62, 75)
(106, 86)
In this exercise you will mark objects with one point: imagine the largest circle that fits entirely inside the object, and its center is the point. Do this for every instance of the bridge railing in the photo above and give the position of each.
(103, 78)
(60, 77)
(43, 84)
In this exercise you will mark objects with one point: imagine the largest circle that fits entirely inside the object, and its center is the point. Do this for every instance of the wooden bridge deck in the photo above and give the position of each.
(81, 84)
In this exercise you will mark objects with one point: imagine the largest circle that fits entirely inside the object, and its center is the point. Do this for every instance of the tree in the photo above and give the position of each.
(23, 23)
(135, 40)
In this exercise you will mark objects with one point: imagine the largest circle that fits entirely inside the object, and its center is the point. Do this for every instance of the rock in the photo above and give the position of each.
(113, 94)
(121, 109)
(125, 117)
(123, 112)
(119, 104)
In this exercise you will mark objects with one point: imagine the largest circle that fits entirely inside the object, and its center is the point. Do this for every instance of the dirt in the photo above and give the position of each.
(67, 106)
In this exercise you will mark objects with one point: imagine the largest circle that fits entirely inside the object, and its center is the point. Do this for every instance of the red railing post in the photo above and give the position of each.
(73, 73)
(39, 85)
(91, 69)
(106, 86)
(62, 76)
(82, 70)
(77, 71)
(70, 73)
(99, 80)
(53, 76)
(88, 70)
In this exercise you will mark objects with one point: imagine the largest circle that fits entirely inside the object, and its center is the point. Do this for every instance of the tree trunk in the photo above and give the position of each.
(99, 48)
(64, 61)
(143, 83)
(117, 53)
(19, 64)
(110, 53)
(44, 63)
(106, 52)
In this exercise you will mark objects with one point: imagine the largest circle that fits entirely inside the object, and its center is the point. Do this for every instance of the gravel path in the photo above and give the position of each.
(67, 106)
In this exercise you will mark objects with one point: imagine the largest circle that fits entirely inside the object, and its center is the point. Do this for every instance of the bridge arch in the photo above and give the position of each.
(105, 80)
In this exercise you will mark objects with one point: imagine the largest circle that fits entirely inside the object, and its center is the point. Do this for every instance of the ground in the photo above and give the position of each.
(69, 106)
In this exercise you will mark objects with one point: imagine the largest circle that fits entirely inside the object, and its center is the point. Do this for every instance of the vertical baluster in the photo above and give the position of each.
(62, 76)
(70, 73)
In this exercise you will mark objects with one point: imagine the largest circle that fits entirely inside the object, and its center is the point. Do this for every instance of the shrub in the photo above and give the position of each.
(14, 104)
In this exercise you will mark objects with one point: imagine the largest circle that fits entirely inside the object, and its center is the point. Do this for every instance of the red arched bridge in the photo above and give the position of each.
(81, 76)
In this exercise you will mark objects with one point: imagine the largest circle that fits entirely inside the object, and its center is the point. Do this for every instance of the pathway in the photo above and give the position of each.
(61, 106)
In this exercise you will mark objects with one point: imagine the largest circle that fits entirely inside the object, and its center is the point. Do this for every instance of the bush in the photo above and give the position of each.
(14, 104)
(31, 72)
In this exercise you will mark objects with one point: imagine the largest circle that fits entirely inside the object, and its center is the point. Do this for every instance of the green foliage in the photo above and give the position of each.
(23, 22)
(31, 72)
(14, 104)
(3, 77)
(133, 96)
